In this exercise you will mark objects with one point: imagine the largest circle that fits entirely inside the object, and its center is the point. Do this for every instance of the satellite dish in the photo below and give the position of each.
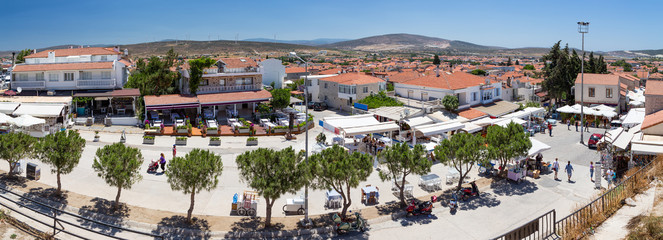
(19, 89)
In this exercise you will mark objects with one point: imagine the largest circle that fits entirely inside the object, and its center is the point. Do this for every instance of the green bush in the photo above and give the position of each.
(148, 137)
(244, 127)
(252, 139)
(214, 139)
(181, 138)
(211, 128)
(380, 100)
(281, 127)
(183, 127)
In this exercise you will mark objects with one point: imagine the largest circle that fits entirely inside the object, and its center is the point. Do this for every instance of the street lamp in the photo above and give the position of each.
(306, 221)
(583, 27)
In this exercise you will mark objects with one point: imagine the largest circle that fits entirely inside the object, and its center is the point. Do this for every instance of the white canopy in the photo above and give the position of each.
(4, 118)
(439, 128)
(566, 109)
(530, 111)
(634, 117)
(430, 146)
(505, 122)
(40, 109)
(612, 135)
(646, 147)
(373, 128)
(537, 147)
(335, 124)
(624, 139)
(417, 121)
(26, 121)
(8, 107)
(472, 128)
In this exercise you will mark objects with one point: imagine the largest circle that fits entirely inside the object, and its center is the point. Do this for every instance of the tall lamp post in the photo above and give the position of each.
(306, 222)
(583, 27)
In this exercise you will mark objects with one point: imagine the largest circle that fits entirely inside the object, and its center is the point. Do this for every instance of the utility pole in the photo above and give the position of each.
(583, 27)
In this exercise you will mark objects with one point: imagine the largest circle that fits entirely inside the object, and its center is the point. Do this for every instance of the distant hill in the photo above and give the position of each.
(408, 42)
(314, 42)
(222, 47)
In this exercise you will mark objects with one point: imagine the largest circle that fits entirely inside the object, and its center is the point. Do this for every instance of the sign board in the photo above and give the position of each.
(361, 106)
(321, 123)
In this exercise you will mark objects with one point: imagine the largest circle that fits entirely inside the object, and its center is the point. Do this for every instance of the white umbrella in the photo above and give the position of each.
(566, 109)
(4, 118)
(26, 121)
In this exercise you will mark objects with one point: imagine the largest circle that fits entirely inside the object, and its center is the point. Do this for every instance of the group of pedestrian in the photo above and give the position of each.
(569, 169)
(162, 159)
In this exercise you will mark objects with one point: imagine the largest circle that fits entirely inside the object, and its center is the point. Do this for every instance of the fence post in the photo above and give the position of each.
(55, 221)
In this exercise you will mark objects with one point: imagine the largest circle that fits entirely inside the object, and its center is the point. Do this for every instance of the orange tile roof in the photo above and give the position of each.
(353, 79)
(654, 88)
(62, 66)
(329, 71)
(234, 97)
(74, 52)
(471, 113)
(404, 76)
(171, 99)
(451, 81)
(295, 70)
(599, 79)
(238, 63)
(652, 119)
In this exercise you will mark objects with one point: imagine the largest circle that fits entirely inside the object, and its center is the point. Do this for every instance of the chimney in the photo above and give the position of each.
(34, 51)
(51, 56)
(116, 49)
(126, 52)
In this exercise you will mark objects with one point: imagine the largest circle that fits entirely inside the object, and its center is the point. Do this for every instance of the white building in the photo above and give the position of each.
(273, 72)
(470, 89)
(71, 69)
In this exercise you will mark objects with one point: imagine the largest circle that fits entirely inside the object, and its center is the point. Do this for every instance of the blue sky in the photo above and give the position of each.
(615, 25)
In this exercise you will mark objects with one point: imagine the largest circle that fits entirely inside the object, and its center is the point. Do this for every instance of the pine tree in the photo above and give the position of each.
(591, 64)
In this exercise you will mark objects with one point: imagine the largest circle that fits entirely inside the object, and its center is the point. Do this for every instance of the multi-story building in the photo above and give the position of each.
(71, 69)
(605, 89)
(343, 90)
(470, 89)
(227, 75)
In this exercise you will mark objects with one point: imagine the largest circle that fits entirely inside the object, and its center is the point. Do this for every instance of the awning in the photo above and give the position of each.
(128, 92)
(8, 107)
(646, 148)
(537, 147)
(234, 97)
(417, 121)
(334, 124)
(40, 110)
(471, 128)
(368, 129)
(498, 108)
(26, 121)
(439, 128)
(4, 118)
(624, 139)
(505, 122)
(171, 101)
(525, 113)
(295, 100)
(634, 117)
(396, 113)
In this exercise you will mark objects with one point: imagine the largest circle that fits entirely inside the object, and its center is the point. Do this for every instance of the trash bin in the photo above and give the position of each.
(32, 171)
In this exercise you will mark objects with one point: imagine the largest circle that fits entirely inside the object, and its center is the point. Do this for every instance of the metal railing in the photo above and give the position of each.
(28, 84)
(219, 89)
(95, 83)
(55, 213)
(541, 227)
(609, 199)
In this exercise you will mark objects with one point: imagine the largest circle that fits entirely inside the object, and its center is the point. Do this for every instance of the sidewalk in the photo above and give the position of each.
(616, 226)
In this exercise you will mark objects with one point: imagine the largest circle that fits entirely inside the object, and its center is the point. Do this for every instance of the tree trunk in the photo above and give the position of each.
(460, 181)
(346, 202)
(402, 188)
(268, 215)
(117, 197)
(59, 191)
(188, 213)
(11, 168)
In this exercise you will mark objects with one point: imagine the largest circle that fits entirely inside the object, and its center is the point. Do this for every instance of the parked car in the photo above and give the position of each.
(319, 106)
(594, 139)
(310, 104)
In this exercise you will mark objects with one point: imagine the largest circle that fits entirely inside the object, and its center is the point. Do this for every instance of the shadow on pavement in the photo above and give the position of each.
(485, 199)
(353, 235)
(102, 210)
(420, 219)
(177, 227)
(253, 224)
(507, 188)
(13, 181)
(40, 194)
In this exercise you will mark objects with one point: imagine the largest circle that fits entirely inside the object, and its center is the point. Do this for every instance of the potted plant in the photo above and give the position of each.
(252, 141)
(214, 141)
(212, 130)
(183, 129)
(244, 129)
(321, 138)
(280, 129)
(96, 136)
(180, 140)
(148, 139)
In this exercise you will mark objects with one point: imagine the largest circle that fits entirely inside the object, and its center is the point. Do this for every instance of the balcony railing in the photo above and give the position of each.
(218, 89)
(97, 83)
(28, 84)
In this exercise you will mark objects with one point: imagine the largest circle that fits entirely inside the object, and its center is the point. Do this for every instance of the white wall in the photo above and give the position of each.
(465, 94)
(273, 71)
(68, 59)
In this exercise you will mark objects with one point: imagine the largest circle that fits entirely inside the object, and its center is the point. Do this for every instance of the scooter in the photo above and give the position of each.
(422, 208)
(453, 202)
(466, 193)
(343, 227)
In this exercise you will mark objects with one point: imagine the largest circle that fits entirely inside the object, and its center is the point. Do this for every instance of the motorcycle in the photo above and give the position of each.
(453, 202)
(422, 208)
(466, 193)
(343, 227)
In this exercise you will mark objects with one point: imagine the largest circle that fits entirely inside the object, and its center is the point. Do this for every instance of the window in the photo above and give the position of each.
(239, 81)
(222, 82)
(365, 89)
(40, 76)
(608, 92)
(497, 92)
(22, 77)
(69, 76)
(474, 96)
(104, 58)
(325, 87)
(347, 89)
(487, 95)
(53, 77)
(325, 98)
(86, 75)
(592, 92)
(204, 82)
(248, 81)
(105, 75)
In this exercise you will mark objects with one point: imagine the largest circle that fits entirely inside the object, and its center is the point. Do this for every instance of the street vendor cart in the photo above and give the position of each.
(293, 205)
(515, 173)
(247, 205)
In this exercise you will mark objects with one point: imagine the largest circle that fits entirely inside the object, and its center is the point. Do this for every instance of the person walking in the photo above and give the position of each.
(568, 127)
(174, 150)
(608, 177)
(591, 171)
(549, 129)
(569, 170)
(162, 162)
(556, 168)
(576, 125)
(586, 126)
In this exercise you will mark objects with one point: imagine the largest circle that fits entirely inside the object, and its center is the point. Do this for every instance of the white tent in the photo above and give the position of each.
(417, 121)
(8, 107)
(472, 128)
(373, 128)
(357, 124)
(646, 147)
(26, 121)
(537, 147)
(566, 109)
(505, 122)
(4, 118)
(634, 117)
(624, 139)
